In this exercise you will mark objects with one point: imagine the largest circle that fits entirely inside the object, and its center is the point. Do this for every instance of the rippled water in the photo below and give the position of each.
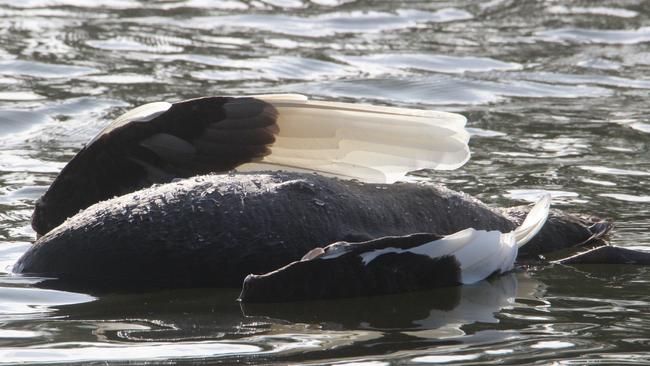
(556, 93)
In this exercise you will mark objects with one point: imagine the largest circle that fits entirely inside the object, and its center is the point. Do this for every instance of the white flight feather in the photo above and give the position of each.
(355, 141)
(369, 143)
(479, 252)
(534, 221)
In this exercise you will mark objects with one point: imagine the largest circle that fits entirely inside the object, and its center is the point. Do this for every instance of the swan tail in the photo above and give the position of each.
(534, 221)
(483, 253)
(396, 263)
(373, 144)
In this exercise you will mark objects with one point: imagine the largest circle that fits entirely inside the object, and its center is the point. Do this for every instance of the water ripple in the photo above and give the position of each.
(9, 254)
(321, 25)
(115, 4)
(17, 300)
(20, 95)
(44, 70)
(613, 171)
(13, 120)
(276, 68)
(438, 89)
(640, 126)
(639, 35)
(122, 79)
(626, 197)
(573, 79)
(386, 63)
(76, 352)
(206, 4)
(596, 10)
(149, 44)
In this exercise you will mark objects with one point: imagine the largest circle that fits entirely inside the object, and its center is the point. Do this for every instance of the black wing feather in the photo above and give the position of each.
(197, 136)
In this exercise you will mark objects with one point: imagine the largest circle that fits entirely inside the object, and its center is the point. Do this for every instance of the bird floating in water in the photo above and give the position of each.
(120, 213)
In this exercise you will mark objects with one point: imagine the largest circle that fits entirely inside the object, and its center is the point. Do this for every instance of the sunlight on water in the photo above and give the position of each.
(597, 36)
(87, 352)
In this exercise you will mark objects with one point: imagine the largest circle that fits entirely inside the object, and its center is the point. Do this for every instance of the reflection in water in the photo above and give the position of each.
(86, 352)
(210, 323)
(412, 311)
(20, 301)
(213, 325)
(555, 94)
(408, 312)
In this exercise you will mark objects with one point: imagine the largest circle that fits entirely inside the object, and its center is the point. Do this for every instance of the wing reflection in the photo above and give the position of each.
(186, 315)
(434, 309)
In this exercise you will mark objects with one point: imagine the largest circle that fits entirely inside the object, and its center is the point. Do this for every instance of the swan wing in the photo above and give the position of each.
(159, 142)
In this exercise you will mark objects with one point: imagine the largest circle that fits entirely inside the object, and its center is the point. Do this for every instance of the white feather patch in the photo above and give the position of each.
(355, 141)
(479, 253)
(534, 221)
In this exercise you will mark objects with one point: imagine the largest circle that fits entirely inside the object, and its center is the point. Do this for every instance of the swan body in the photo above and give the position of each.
(135, 208)
(214, 230)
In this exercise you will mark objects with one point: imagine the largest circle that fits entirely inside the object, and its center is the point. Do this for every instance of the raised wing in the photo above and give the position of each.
(159, 142)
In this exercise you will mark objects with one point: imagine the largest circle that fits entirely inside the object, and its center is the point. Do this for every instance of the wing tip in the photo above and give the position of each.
(534, 221)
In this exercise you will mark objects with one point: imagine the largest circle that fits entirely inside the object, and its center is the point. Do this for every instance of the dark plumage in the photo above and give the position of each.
(214, 230)
(347, 275)
(197, 136)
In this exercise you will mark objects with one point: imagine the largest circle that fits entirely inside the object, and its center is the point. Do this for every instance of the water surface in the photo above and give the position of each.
(556, 94)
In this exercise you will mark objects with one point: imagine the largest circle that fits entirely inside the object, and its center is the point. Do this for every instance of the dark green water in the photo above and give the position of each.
(556, 94)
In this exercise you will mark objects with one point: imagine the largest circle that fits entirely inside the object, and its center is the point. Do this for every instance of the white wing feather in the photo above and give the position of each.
(493, 251)
(355, 141)
(534, 221)
(479, 253)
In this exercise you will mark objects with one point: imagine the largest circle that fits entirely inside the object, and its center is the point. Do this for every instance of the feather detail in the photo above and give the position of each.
(479, 253)
(143, 113)
(354, 141)
(487, 252)
(534, 221)
(395, 264)
(158, 142)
